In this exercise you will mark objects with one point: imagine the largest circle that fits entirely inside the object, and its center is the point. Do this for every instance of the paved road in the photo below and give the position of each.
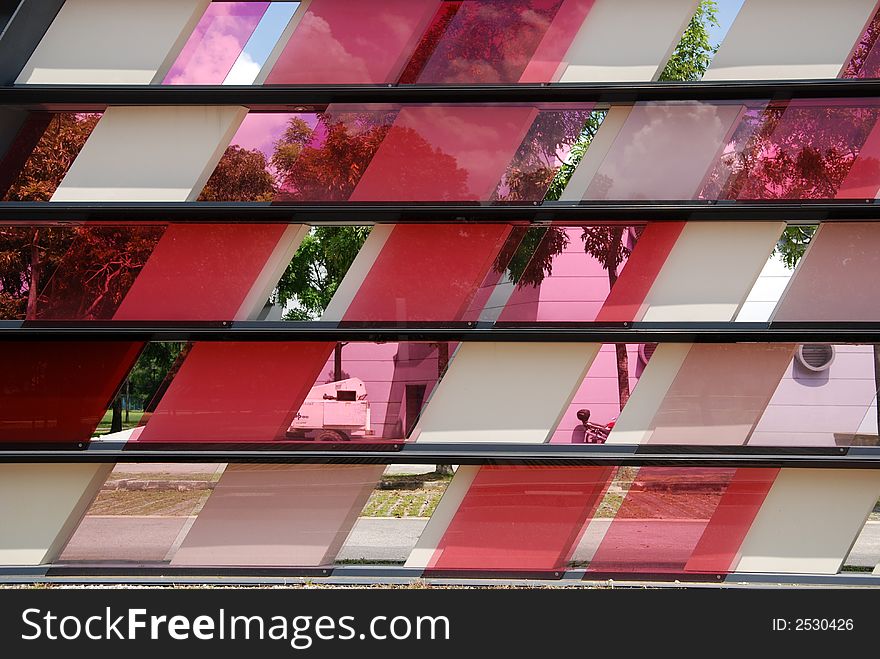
(130, 538)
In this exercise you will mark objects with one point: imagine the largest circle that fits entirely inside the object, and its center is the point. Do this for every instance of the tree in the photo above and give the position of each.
(241, 175)
(532, 260)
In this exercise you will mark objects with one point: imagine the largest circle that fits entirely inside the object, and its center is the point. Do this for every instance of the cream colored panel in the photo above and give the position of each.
(778, 39)
(41, 506)
(710, 271)
(504, 392)
(358, 271)
(634, 426)
(150, 154)
(809, 520)
(442, 516)
(627, 40)
(108, 42)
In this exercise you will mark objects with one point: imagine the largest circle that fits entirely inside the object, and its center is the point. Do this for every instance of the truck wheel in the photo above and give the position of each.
(332, 436)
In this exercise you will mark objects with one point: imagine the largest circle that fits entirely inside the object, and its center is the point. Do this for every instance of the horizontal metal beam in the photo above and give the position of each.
(637, 332)
(304, 98)
(583, 213)
(401, 452)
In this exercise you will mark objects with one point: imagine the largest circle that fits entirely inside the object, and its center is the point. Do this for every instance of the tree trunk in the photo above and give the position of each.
(116, 419)
(34, 284)
(442, 365)
(337, 362)
(127, 401)
(619, 348)
(442, 358)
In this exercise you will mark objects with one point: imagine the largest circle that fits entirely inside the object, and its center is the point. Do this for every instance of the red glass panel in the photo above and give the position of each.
(427, 273)
(668, 516)
(237, 391)
(724, 534)
(47, 159)
(59, 391)
(20, 148)
(521, 518)
(216, 42)
(343, 42)
(200, 272)
(462, 153)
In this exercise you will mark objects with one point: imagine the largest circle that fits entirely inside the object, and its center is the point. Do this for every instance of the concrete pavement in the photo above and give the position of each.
(132, 538)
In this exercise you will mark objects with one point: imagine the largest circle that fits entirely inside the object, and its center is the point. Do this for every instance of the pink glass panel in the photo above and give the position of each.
(237, 391)
(664, 151)
(59, 391)
(462, 153)
(865, 59)
(216, 42)
(569, 276)
(832, 281)
(521, 518)
(664, 516)
(720, 393)
(278, 515)
(493, 41)
(836, 406)
(200, 272)
(344, 42)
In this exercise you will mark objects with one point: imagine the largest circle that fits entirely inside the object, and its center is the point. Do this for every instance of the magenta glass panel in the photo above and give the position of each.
(675, 519)
(865, 59)
(344, 42)
(216, 42)
(43, 153)
(548, 61)
(462, 153)
(796, 150)
(493, 41)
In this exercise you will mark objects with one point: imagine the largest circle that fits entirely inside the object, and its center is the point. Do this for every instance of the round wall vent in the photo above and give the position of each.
(645, 351)
(815, 357)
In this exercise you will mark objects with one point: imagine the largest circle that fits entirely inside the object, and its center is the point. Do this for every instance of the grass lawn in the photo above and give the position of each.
(134, 417)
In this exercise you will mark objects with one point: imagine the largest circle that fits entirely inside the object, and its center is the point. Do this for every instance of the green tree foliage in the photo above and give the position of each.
(694, 52)
(317, 269)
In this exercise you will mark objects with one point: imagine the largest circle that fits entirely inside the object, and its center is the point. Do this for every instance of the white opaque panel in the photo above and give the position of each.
(41, 506)
(702, 282)
(150, 154)
(627, 40)
(504, 392)
(809, 520)
(107, 42)
(779, 39)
